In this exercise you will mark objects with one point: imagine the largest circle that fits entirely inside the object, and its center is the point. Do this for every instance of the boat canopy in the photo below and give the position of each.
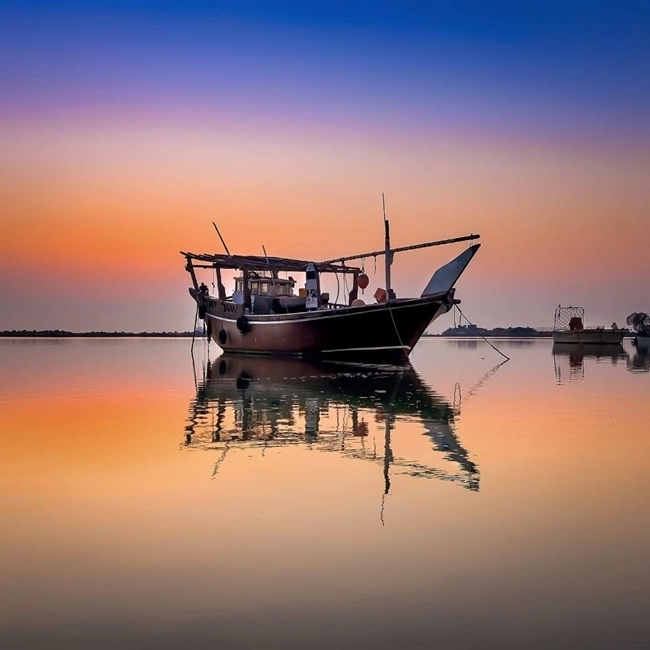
(262, 263)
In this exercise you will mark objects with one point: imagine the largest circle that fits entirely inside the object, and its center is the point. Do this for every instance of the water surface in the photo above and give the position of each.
(149, 502)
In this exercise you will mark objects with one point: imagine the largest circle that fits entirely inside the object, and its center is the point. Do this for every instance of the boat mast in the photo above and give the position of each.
(221, 238)
(387, 251)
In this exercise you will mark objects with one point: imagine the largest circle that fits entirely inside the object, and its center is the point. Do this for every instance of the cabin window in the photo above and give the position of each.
(264, 284)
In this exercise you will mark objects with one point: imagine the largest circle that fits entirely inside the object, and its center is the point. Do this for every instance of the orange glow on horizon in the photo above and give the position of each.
(87, 207)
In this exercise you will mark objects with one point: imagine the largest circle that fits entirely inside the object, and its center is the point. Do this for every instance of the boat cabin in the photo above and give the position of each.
(269, 294)
(264, 284)
(259, 289)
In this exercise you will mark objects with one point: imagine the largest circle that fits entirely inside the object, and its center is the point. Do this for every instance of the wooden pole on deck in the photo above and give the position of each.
(221, 238)
(387, 251)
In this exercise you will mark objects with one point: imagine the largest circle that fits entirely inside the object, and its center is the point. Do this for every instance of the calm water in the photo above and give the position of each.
(147, 503)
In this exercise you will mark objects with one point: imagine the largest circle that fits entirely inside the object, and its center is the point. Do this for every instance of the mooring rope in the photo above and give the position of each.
(196, 317)
(507, 358)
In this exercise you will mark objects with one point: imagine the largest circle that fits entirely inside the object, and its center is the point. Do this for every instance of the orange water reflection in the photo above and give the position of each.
(117, 532)
(248, 403)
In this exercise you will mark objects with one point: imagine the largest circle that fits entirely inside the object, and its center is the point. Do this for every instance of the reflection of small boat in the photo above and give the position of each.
(640, 360)
(568, 327)
(576, 354)
(251, 401)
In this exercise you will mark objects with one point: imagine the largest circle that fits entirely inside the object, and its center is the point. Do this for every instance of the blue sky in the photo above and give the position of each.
(538, 110)
(550, 68)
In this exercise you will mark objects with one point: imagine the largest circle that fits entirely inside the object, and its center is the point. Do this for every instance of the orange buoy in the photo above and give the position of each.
(357, 302)
(363, 281)
(381, 295)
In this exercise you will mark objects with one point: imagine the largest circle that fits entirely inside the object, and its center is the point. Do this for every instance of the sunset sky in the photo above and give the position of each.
(126, 128)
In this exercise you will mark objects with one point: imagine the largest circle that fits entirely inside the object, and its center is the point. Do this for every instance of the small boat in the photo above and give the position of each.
(640, 323)
(265, 316)
(568, 327)
(642, 341)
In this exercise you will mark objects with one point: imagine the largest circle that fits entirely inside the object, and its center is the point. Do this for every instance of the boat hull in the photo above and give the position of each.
(386, 331)
(590, 336)
(641, 342)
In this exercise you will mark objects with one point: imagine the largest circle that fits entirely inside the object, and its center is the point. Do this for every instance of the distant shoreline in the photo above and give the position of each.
(473, 331)
(537, 335)
(64, 334)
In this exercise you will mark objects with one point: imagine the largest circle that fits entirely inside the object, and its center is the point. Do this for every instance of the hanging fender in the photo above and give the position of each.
(242, 324)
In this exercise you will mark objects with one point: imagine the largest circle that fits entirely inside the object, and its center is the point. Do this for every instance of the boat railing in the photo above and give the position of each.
(585, 328)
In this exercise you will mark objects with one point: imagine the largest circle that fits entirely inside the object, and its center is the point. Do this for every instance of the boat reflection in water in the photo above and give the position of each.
(352, 410)
(639, 361)
(569, 358)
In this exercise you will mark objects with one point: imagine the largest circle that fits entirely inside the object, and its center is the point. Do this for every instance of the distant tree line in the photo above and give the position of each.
(472, 330)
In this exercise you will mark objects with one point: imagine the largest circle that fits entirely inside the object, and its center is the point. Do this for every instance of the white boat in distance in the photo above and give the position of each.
(568, 327)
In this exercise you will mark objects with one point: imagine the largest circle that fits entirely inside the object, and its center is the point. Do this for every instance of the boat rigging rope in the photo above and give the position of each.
(507, 358)
(338, 287)
(399, 338)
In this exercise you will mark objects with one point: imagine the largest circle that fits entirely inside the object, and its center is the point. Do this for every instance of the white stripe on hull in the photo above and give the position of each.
(280, 319)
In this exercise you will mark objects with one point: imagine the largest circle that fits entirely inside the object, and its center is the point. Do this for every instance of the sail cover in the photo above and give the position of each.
(446, 276)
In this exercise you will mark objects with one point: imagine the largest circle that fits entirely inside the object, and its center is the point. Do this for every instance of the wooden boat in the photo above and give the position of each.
(264, 316)
(568, 328)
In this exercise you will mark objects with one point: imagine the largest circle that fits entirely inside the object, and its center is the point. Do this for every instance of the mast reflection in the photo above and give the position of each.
(355, 411)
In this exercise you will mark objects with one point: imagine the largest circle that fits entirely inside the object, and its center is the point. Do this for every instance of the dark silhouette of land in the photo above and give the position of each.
(460, 331)
(97, 335)
(503, 332)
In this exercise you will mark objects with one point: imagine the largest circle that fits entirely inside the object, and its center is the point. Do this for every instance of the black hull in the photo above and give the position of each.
(379, 332)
